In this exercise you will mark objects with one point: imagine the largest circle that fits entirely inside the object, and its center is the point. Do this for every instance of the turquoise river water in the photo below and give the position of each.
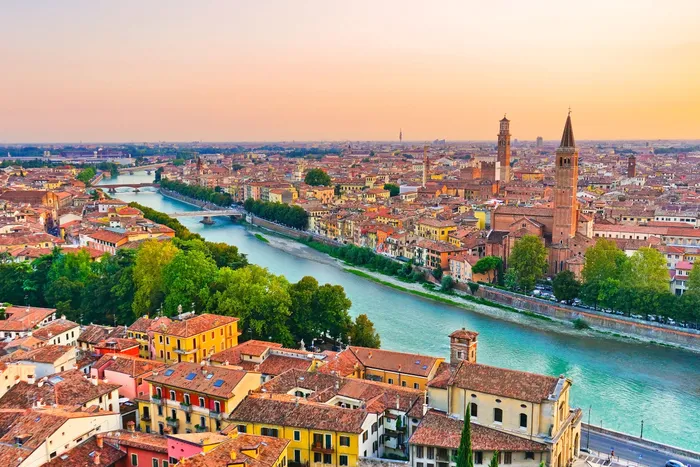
(622, 382)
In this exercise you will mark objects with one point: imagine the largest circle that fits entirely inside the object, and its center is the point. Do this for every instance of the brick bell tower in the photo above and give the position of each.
(463, 346)
(504, 149)
(565, 203)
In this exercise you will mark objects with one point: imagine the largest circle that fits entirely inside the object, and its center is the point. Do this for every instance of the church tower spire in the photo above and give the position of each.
(566, 181)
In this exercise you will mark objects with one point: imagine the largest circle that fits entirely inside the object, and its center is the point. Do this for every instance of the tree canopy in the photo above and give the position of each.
(394, 190)
(317, 177)
(528, 262)
(490, 265)
(566, 287)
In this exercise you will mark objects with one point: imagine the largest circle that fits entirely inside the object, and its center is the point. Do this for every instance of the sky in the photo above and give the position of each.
(302, 70)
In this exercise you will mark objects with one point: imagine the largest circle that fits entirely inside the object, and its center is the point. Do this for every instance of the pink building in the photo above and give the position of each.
(128, 371)
(142, 449)
(182, 446)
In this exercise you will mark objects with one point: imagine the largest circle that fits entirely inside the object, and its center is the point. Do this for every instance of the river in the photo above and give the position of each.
(622, 382)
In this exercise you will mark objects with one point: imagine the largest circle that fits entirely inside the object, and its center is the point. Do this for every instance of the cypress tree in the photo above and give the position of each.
(494, 460)
(464, 453)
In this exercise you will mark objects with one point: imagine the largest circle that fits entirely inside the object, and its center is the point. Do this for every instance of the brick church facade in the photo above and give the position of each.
(565, 231)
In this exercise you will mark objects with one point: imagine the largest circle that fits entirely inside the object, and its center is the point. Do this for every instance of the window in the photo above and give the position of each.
(498, 415)
(269, 432)
(419, 451)
(523, 420)
(167, 341)
(217, 406)
(530, 455)
(160, 410)
(186, 399)
(419, 464)
(364, 437)
(188, 417)
(242, 428)
(478, 457)
(134, 459)
(374, 427)
(403, 383)
(507, 457)
(160, 339)
(166, 464)
(172, 395)
(345, 441)
(202, 421)
(297, 435)
(374, 446)
(317, 457)
(155, 462)
(390, 381)
(201, 402)
(474, 410)
(297, 456)
(343, 460)
(430, 452)
(327, 459)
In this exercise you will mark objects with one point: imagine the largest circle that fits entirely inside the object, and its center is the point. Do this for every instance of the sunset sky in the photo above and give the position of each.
(266, 70)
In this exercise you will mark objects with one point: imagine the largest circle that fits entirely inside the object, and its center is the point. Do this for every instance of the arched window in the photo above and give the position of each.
(523, 420)
(474, 410)
(498, 415)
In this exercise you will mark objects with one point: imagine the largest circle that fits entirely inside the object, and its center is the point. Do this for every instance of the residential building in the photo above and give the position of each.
(58, 332)
(126, 371)
(243, 450)
(434, 229)
(13, 373)
(49, 359)
(188, 397)
(193, 338)
(140, 449)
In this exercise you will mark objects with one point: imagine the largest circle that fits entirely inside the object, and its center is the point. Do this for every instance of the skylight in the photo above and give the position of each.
(218, 383)
(190, 376)
(169, 372)
(210, 375)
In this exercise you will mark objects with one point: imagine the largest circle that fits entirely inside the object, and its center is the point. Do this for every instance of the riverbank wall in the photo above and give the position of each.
(666, 448)
(686, 338)
(187, 200)
(287, 231)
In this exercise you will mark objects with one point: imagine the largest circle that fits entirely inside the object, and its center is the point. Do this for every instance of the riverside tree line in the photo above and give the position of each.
(209, 277)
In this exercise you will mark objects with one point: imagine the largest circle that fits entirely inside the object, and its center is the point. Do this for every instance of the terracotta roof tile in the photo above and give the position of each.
(217, 381)
(234, 451)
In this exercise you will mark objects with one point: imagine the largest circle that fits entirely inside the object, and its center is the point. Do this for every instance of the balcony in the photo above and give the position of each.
(146, 417)
(200, 429)
(319, 447)
(216, 415)
(185, 352)
(173, 422)
(186, 407)
(156, 400)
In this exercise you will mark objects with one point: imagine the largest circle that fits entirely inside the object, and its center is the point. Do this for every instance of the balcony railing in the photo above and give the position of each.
(319, 447)
(186, 407)
(173, 422)
(200, 429)
(185, 352)
(146, 417)
(216, 415)
(156, 400)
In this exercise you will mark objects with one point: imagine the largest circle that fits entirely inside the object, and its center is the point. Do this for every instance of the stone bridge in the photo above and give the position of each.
(112, 187)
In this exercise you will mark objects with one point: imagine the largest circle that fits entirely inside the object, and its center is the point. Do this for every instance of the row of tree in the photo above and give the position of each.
(637, 284)
(160, 276)
(291, 216)
(317, 177)
(201, 193)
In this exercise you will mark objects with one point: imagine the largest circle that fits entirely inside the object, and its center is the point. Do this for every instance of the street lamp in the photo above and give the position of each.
(588, 438)
(641, 435)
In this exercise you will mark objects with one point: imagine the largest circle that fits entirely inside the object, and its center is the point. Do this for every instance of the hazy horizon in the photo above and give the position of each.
(277, 71)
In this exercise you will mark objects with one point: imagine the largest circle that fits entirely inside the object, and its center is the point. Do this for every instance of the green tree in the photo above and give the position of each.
(316, 177)
(13, 277)
(187, 279)
(258, 298)
(363, 333)
(494, 459)
(473, 287)
(302, 321)
(566, 287)
(86, 175)
(464, 453)
(648, 270)
(151, 259)
(437, 272)
(490, 265)
(604, 260)
(394, 190)
(447, 283)
(528, 261)
(693, 283)
(331, 307)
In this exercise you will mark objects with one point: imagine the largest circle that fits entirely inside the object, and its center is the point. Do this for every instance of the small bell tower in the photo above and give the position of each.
(463, 346)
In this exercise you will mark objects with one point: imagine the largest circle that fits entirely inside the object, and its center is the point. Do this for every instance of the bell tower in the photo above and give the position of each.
(463, 346)
(566, 181)
(504, 149)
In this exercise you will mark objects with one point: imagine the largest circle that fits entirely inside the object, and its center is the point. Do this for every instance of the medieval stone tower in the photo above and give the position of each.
(504, 149)
(566, 181)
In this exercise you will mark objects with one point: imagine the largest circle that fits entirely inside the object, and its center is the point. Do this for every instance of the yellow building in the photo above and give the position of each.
(529, 405)
(398, 368)
(434, 229)
(319, 434)
(235, 450)
(187, 397)
(192, 338)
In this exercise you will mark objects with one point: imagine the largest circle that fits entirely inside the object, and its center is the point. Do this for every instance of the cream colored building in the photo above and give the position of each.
(13, 373)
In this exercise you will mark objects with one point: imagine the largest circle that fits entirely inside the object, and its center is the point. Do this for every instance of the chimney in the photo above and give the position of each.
(131, 426)
(398, 401)
(425, 409)
(94, 381)
(30, 380)
(96, 458)
(100, 441)
(370, 355)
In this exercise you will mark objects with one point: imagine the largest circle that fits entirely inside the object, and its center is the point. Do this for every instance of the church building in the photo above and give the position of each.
(565, 231)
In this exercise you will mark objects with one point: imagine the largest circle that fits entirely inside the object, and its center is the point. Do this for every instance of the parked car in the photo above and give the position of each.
(672, 463)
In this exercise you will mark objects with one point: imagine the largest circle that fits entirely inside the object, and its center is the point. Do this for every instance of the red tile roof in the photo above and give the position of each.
(195, 325)
(237, 450)
(408, 363)
(203, 379)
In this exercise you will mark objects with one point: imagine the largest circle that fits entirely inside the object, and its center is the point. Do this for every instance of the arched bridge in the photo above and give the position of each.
(148, 168)
(112, 187)
(207, 215)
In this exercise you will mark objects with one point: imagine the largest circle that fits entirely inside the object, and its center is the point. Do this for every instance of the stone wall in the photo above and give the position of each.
(688, 338)
(644, 442)
(288, 231)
